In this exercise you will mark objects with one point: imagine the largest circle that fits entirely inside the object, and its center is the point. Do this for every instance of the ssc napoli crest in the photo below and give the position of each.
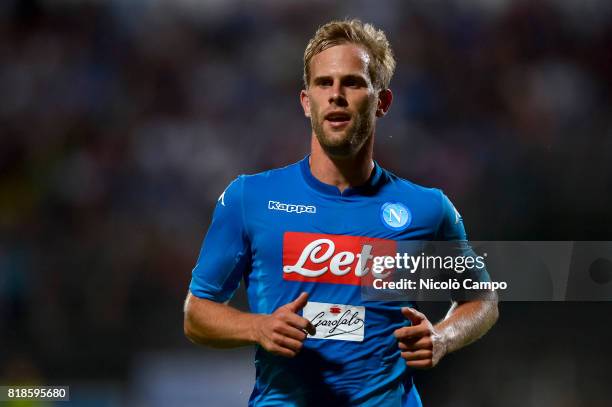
(395, 216)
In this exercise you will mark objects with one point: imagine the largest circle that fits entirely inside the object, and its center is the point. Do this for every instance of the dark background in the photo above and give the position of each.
(122, 121)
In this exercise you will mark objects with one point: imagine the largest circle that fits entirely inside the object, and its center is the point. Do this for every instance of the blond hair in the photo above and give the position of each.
(382, 61)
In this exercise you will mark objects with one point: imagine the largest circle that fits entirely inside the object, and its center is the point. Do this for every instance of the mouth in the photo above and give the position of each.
(338, 119)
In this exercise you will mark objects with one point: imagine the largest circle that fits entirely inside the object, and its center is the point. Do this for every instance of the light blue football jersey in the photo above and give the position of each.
(284, 232)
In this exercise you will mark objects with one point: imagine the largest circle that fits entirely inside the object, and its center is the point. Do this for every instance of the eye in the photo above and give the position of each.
(350, 82)
(354, 82)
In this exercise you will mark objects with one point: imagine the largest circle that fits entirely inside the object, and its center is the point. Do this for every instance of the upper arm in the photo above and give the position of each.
(451, 225)
(194, 309)
(451, 228)
(194, 305)
(225, 253)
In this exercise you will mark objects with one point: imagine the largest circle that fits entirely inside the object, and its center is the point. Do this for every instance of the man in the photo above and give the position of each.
(296, 234)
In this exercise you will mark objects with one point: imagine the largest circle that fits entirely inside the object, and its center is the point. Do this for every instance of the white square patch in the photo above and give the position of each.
(336, 321)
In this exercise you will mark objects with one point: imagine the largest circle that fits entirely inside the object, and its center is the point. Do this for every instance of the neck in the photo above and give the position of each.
(342, 172)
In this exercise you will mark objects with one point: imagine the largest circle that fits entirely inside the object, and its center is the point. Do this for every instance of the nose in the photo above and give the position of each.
(337, 96)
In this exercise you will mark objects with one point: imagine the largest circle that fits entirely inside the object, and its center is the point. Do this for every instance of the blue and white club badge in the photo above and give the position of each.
(395, 216)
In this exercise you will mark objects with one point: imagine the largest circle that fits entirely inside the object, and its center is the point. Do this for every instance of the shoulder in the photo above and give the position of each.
(433, 206)
(414, 191)
(430, 203)
(269, 178)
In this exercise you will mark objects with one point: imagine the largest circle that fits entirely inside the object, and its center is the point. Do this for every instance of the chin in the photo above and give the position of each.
(340, 149)
(337, 140)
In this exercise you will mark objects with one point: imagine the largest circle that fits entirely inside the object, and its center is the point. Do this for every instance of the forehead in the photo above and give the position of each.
(340, 59)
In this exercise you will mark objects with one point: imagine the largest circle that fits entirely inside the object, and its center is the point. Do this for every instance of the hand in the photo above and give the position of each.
(284, 331)
(420, 344)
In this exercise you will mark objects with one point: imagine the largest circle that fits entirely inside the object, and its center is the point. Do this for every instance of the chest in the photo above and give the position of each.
(294, 230)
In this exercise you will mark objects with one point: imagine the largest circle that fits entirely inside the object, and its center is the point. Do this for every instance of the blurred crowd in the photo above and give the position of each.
(121, 122)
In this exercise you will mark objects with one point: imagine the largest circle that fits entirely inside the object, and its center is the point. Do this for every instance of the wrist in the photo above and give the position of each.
(445, 339)
(254, 332)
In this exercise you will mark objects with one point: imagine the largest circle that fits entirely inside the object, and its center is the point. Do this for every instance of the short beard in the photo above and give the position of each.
(356, 136)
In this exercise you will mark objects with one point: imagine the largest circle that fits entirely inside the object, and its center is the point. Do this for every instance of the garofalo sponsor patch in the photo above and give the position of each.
(336, 321)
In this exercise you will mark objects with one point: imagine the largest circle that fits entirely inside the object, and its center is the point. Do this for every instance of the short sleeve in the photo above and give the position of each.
(225, 253)
(451, 228)
(451, 224)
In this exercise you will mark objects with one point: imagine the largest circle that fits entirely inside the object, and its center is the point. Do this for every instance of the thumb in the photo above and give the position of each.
(413, 315)
(299, 303)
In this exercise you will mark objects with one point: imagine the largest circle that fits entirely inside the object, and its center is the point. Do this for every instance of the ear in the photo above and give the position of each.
(305, 101)
(385, 97)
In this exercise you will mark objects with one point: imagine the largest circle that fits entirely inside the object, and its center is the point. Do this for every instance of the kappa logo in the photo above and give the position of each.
(291, 208)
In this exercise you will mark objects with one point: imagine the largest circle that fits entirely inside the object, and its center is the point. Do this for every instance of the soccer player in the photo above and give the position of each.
(296, 234)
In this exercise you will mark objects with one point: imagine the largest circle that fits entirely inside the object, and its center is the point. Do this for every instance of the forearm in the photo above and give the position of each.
(466, 322)
(218, 325)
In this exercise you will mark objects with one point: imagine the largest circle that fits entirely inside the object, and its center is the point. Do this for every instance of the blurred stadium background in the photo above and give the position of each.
(121, 121)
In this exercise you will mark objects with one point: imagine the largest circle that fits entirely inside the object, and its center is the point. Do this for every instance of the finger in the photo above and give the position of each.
(410, 332)
(417, 355)
(413, 315)
(311, 329)
(287, 343)
(299, 303)
(293, 333)
(415, 344)
(301, 323)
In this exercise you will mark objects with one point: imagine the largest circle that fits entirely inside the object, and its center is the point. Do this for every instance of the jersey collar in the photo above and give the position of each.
(369, 188)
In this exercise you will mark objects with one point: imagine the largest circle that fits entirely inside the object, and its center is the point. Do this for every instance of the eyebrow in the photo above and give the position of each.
(357, 78)
(319, 79)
